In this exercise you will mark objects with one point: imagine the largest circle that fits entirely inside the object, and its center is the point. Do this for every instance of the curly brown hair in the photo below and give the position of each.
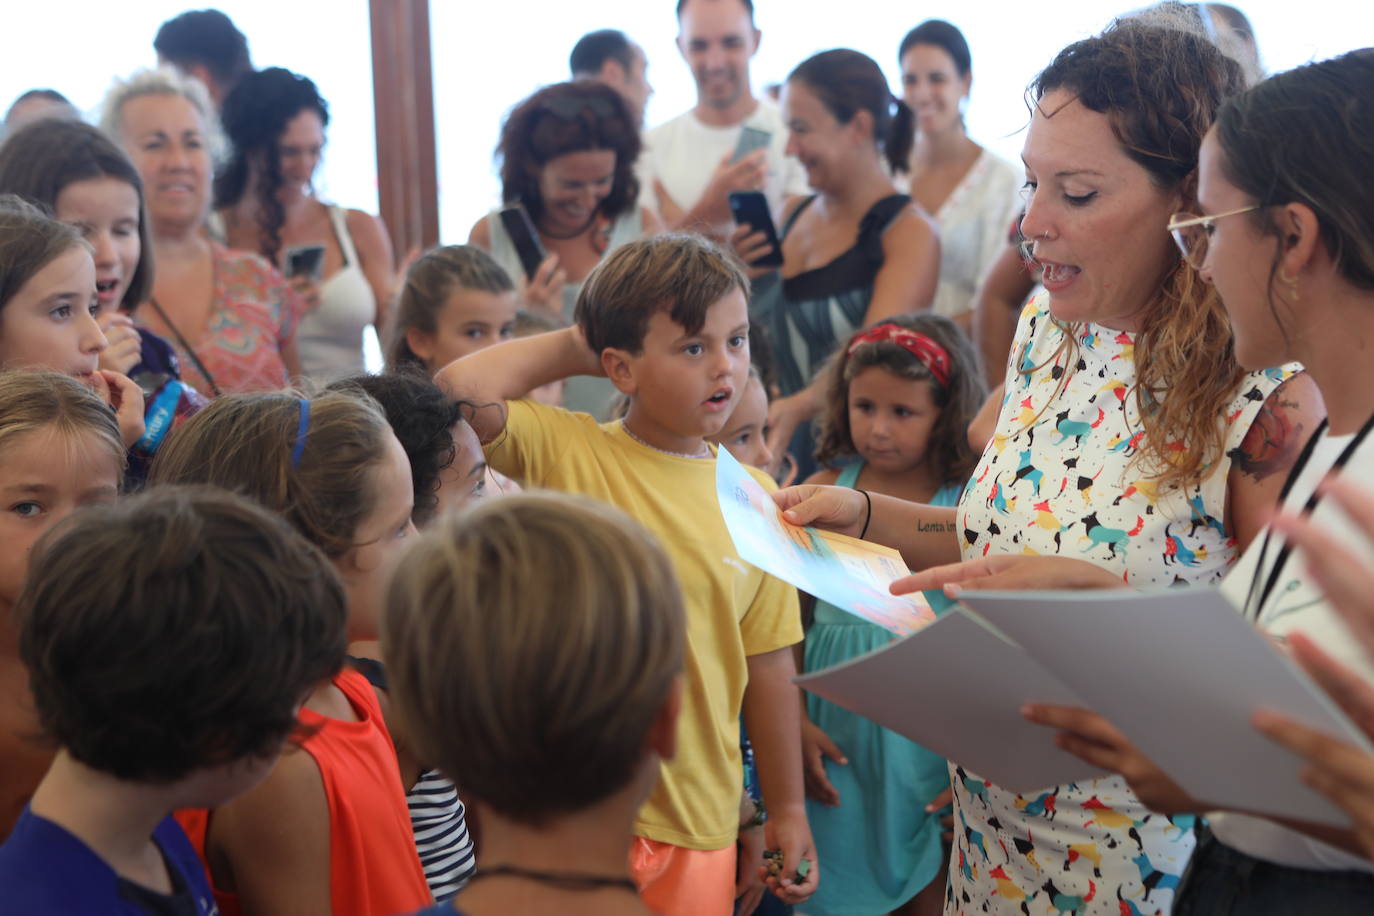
(1160, 89)
(959, 398)
(568, 118)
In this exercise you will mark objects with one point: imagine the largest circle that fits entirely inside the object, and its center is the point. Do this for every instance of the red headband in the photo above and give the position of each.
(931, 354)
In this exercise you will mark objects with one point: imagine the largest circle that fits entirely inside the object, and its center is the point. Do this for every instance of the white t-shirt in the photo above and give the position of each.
(1296, 605)
(684, 152)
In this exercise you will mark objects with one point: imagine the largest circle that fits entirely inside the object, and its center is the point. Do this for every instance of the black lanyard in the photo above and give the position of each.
(1281, 559)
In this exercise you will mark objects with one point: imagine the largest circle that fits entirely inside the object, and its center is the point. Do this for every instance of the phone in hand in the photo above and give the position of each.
(750, 139)
(751, 208)
(524, 237)
(304, 260)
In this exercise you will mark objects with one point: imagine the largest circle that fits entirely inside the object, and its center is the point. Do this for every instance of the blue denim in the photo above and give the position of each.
(1221, 881)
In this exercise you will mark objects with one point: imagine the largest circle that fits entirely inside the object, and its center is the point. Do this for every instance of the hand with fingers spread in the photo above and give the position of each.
(816, 746)
(1010, 572)
(1092, 738)
(1339, 570)
(126, 400)
(126, 346)
(544, 291)
(1340, 771)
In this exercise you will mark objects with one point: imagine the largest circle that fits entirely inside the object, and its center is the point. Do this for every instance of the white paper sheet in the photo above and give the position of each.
(925, 687)
(1180, 673)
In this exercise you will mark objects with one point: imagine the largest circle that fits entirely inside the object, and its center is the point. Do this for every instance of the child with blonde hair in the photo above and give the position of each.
(666, 319)
(536, 644)
(328, 831)
(60, 449)
(899, 398)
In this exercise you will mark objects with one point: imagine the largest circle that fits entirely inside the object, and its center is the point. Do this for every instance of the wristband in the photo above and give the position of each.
(868, 516)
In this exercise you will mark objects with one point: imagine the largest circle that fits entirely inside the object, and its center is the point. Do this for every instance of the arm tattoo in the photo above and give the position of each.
(940, 527)
(1272, 443)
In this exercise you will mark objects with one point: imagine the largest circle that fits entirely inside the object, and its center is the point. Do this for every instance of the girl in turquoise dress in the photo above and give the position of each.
(899, 398)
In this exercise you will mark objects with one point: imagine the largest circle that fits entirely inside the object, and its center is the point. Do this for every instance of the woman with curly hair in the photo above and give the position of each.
(1130, 445)
(276, 120)
(567, 155)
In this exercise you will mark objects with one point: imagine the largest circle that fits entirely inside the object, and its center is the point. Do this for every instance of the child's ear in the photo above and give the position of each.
(662, 737)
(619, 368)
(421, 343)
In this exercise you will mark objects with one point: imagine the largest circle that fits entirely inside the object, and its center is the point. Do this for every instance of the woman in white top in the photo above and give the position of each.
(1286, 234)
(567, 156)
(276, 120)
(970, 192)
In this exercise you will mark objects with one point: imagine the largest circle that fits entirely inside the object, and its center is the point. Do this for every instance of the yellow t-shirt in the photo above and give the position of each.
(733, 609)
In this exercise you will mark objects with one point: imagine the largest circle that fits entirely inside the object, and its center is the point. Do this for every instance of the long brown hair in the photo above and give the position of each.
(1160, 89)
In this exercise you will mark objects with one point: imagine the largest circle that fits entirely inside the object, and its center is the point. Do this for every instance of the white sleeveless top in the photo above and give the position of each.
(1059, 478)
(330, 336)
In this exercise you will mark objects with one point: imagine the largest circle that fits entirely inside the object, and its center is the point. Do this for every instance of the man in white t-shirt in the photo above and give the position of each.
(689, 167)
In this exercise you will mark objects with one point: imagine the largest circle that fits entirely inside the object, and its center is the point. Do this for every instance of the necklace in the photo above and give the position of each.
(704, 453)
(564, 880)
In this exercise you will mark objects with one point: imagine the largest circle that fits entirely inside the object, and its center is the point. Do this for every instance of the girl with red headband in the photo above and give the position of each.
(898, 398)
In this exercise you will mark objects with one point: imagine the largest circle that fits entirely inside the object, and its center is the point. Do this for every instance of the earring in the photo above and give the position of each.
(1291, 283)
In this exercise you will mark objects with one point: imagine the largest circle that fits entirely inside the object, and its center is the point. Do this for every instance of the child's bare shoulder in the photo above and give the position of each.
(824, 477)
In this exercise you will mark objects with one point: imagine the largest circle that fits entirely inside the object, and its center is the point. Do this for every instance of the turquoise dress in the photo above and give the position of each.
(879, 848)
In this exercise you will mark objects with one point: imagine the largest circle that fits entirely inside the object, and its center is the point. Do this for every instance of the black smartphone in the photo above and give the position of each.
(305, 260)
(751, 208)
(525, 238)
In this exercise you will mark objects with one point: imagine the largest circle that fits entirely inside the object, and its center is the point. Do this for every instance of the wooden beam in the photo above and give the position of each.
(403, 101)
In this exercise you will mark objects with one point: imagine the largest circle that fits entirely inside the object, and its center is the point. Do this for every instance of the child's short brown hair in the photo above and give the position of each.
(531, 642)
(33, 400)
(175, 630)
(315, 473)
(683, 275)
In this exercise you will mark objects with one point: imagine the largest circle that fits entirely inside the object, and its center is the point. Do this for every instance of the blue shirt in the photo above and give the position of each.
(45, 869)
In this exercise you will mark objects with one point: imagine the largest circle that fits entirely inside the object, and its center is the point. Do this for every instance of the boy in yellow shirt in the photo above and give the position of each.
(667, 320)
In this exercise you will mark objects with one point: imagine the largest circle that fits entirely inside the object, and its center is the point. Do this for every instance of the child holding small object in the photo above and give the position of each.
(666, 319)
(899, 399)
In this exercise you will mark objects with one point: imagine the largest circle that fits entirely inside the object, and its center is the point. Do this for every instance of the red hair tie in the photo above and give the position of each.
(931, 354)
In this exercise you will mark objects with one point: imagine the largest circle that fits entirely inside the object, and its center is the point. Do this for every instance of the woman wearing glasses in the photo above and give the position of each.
(1286, 237)
(567, 156)
(1129, 438)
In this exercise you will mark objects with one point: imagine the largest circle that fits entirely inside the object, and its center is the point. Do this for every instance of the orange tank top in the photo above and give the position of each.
(374, 869)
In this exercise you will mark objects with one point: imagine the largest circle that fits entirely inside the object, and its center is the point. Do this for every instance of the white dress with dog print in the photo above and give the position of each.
(1059, 478)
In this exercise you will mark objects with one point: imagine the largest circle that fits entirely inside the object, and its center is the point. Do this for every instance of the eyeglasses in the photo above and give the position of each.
(1191, 233)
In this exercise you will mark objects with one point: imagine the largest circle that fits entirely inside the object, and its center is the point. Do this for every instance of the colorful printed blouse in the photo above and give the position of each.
(1059, 478)
(254, 315)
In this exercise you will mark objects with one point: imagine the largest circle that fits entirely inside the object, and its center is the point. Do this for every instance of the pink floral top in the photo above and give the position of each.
(254, 315)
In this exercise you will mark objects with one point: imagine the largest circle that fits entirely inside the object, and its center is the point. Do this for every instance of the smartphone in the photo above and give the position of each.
(751, 208)
(750, 139)
(305, 260)
(523, 235)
